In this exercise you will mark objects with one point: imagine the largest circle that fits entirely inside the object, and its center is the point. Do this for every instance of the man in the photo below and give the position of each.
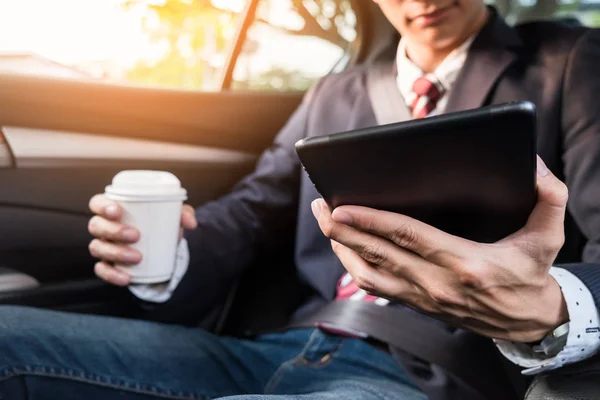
(469, 57)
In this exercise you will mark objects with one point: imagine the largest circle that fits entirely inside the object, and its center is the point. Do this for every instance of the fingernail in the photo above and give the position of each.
(542, 169)
(130, 234)
(316, 208)
(342, 217)
(131, 257)
(111, 210)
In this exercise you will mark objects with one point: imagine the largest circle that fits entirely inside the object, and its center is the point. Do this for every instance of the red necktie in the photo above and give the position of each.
(426, 96)
(348, 290)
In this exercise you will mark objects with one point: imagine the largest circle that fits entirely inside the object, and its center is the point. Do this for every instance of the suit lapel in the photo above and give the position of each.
(492, 52)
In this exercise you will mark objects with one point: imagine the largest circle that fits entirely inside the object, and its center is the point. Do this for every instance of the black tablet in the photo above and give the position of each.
(470, 173)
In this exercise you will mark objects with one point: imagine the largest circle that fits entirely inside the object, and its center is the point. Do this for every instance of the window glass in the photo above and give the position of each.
(586, 12)
(292, 43)
(175, 43)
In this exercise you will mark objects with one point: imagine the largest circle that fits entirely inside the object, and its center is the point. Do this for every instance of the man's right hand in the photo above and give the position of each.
(113, 239)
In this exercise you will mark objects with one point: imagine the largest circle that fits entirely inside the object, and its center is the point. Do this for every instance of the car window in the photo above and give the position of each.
(178, 43)
(192, 41)
(174, 43)
(586, 12)
(292, 43)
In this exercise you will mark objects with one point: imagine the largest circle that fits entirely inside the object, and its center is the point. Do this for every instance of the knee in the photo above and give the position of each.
(22, 333)
(12, 318)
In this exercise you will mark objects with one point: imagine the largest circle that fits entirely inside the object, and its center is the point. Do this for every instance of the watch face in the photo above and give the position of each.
(554, 342)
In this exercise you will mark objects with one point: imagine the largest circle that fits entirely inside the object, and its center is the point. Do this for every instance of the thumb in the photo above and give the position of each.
(548, 216)
(188, 217)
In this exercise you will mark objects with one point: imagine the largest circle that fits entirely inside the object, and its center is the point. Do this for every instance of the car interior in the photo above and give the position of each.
(62, 139)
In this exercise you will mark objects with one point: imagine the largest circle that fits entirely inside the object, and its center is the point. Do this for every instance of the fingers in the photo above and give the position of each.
(104, 225)
(103, 228)
(101, 205)
(188, 217)
(115, 253)
(405, 232)
(368, 278)
(111, 275)
(379, 252)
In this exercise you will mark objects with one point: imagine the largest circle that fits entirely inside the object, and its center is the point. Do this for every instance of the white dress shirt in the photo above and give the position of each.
(446, 74)
(584, 335)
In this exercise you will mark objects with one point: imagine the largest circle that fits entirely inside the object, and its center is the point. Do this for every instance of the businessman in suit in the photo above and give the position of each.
(453, 55)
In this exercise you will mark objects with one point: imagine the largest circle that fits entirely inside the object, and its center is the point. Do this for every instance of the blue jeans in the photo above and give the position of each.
(47, 355)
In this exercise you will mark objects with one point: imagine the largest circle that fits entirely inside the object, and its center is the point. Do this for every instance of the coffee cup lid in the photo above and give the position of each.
(155, 184)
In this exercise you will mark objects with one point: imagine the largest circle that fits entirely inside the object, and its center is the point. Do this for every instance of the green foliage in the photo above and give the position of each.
(196, 36)
(193, 33)
(520, 10)
(277, 79)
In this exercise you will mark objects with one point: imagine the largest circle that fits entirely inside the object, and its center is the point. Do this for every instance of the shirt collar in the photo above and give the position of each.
(445, 74)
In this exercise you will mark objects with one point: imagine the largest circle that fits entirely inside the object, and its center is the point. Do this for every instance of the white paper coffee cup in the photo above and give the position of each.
(151, 202)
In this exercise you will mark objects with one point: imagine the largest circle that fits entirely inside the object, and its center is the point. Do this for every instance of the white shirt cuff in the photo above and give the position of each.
(584, 330)
(162, 292)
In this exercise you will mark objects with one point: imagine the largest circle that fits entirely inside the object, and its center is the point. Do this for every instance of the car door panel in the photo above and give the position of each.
(66, 149)
(90, 296)
(62, 142)
(45, 212)
(60, 170)
(50, 223)
(245, 121)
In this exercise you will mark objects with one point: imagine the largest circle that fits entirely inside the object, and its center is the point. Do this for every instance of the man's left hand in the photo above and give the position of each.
(501, 290)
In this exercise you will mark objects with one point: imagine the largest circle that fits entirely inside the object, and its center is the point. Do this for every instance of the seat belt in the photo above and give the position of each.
(408, 332)
(388, 104)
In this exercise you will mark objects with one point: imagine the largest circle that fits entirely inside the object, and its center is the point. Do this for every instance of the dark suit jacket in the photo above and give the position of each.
(554, 66)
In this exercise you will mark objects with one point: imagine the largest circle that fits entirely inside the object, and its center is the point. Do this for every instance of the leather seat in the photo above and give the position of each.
(579, 381)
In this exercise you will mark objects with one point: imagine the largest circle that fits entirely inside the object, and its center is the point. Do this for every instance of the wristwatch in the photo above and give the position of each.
(554, 342)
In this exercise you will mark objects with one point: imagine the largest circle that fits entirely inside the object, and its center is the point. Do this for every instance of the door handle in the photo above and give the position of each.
(14, 281)
(6, 157)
